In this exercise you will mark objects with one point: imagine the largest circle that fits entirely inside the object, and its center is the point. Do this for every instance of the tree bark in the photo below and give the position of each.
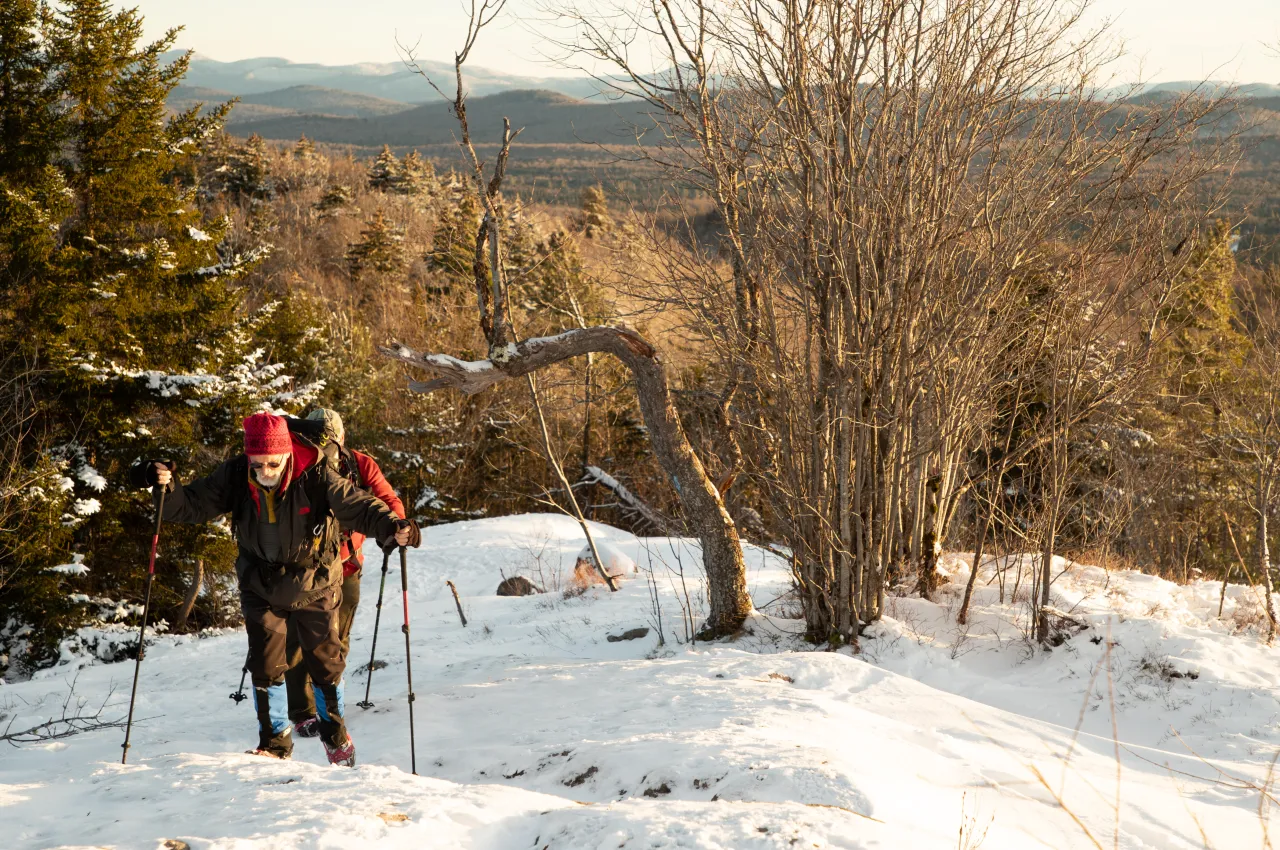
(962, 617)
(1264, 560)
(721, 548)
(1040, 590)
(929, 539)
(193, 591)
(586, 415)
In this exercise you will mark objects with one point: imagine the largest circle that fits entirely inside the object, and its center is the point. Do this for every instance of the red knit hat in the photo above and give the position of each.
(266, 434)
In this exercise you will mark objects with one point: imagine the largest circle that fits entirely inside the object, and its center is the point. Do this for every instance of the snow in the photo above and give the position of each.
(534, 730)
(76, 567)
(616, 562)
(90, 477)
(430, 498)
(446, 361)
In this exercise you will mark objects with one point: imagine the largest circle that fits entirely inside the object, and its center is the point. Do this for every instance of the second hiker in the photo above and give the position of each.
(363, 472)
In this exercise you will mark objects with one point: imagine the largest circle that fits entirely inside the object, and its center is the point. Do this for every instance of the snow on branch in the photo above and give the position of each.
(631, 505)
(519, 359)
(237, 265)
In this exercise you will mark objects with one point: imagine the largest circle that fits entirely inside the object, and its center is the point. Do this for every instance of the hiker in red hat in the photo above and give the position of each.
(286, 507)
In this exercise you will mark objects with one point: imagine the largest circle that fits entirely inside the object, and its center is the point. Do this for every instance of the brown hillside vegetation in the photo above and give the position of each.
(568, 144)
(366, 259)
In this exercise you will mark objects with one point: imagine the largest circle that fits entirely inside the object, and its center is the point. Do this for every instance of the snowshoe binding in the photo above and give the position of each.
(309, 728)
(344, 755)
(266, 754)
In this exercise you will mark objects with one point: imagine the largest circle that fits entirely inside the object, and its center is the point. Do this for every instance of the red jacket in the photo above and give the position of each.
(372, 481)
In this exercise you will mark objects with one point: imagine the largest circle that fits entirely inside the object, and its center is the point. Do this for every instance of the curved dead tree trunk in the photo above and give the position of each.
(721, 547)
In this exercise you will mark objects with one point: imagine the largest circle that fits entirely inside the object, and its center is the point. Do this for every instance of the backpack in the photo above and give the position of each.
(335, 454)
(338, 456)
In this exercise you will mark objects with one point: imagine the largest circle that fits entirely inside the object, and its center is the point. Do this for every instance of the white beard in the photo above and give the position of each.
(267, 480)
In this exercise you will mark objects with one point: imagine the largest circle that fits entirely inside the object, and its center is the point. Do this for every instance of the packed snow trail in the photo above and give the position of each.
(536, 731)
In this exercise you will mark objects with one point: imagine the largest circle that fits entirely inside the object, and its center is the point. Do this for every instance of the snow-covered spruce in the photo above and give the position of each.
(537, 731)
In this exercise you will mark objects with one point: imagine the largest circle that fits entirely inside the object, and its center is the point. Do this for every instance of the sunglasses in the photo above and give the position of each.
(269, 464)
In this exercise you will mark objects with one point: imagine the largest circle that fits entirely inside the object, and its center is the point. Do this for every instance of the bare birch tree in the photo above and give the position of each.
(896, 181)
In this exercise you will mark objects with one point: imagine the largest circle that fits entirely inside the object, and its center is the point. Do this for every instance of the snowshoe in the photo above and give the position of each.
(309, 728)
(266, 754)
(344, 755)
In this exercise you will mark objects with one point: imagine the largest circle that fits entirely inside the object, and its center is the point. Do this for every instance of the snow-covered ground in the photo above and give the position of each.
(534, 730)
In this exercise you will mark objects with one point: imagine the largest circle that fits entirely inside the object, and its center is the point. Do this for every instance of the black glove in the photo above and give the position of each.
(144, 474)
(415, 535)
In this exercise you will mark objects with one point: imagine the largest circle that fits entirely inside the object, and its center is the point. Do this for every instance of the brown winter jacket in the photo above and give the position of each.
(310, 536)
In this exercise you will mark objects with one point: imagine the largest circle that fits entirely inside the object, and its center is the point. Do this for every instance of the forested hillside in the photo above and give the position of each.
(570, 143)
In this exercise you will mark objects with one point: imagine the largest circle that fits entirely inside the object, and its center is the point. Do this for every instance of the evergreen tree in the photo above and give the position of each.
(415, 177)
(248, 170)
(520, 240)
(28, 114)
(111, 281)
(334, 200)
(1201, 347)
(308, 168)
(384, 171)
(380, 249)
(453, 244)
(304, 150)
(1204, 337)
(595, 212)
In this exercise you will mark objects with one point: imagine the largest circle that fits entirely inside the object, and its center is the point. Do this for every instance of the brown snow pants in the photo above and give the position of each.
(316, 627)
(302, 700)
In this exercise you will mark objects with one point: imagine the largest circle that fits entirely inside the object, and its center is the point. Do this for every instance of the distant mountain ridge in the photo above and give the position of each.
(377, 103)
(388, 80)
(544, 117)
(1243, 90)
(295, 100)
(393, 81)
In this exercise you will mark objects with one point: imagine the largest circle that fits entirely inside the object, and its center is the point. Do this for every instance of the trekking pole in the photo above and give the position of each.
(240, 696)
(377, 618)
(408, 659)
(142, 630)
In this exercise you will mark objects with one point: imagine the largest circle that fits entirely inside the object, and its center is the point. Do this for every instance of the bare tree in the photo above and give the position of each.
(911, 198)
(1248, 431)
(511, 358)
(31, 498)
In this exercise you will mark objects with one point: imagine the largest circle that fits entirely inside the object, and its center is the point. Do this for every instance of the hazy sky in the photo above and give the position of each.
(1173, 39)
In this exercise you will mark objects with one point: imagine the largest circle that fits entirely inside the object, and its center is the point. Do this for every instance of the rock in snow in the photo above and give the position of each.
(517, 586)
